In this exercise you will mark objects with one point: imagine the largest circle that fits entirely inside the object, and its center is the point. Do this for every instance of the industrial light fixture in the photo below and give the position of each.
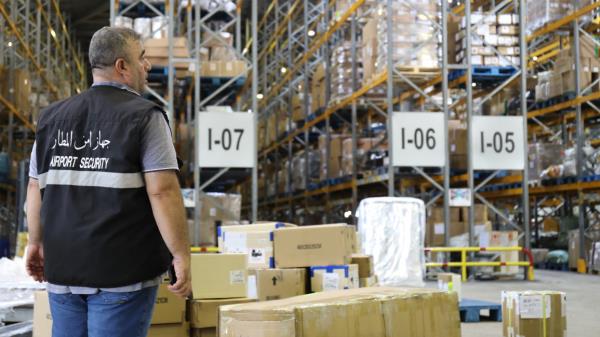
(473, 84)
(283, 70)
(53, 33)
(535, 58)
(311, 33)
(260, 96)
(9, 44)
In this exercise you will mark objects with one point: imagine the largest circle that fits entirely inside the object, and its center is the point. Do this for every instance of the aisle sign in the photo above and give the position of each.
(226, 139)
(497, 143)
(419, 139)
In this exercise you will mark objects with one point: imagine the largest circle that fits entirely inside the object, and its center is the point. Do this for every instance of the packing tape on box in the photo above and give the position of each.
(330, 269)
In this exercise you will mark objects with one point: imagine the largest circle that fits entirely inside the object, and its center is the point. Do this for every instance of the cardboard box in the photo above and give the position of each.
(205, 313)
(257, 227)
(168, 308)
(367, 282)
(169, 330)
(210, 69)
(42, 319)
(257, 245)
(534, 314)
(372, 312)
(177, 42)
(307, 246)
(231, 68)
(505, 239)
(276, 284)
(365, 265)
(206, 332)
(217, 210)
(450, 282)
(327, 278)
(480, 210)
(219, 275)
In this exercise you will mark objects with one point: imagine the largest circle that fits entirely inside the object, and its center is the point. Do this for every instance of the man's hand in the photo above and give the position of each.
(183, 286)
(35, 262)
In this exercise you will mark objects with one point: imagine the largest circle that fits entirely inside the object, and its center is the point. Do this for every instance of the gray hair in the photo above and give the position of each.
(110, 43)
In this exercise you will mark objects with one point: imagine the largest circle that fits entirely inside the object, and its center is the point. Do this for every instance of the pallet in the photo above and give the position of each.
(485, 73)
(470, 311)
(555, 100)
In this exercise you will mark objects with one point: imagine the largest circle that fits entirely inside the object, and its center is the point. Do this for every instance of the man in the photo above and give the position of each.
(105, 211)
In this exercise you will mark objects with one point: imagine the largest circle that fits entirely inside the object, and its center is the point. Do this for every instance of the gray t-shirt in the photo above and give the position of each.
(157, 154)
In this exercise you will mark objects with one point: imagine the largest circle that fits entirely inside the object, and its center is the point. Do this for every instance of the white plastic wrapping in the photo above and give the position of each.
(392, 230)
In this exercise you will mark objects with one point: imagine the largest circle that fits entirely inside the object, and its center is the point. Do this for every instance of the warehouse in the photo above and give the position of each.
(299, 168)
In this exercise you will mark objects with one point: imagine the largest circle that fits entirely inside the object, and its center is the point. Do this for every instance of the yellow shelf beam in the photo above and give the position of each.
(308, 54)
(553, 26)
(564, 105)
(25, 46)
(17, 114)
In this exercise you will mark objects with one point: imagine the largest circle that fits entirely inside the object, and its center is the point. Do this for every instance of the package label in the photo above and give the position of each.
(235, 242)
(213, 212)
(256, 256)
(534, 306)
(439, 228)
(251, 290)
(331, 281)
(236, 277)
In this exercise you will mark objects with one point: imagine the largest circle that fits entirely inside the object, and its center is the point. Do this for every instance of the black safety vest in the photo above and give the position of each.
(98, 226)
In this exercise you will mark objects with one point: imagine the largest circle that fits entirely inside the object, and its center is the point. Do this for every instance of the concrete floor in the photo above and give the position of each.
(583, 298)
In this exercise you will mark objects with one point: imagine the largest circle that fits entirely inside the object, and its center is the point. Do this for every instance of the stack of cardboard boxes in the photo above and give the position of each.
(157, 52)
(218, 279)
(331, 161)
(300, 166)
(317, 93)
(561, 80)
(459, 224)
(415, 43)
(341, 71)
(541, 12)
(373, 312)
(17, 92)
(534, 313)
(364, 146)
(218, 59)
(500, 32)
(216, 209)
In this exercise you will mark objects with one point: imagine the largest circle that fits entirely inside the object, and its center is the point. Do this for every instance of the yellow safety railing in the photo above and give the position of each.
(464, 264)
(204, 249)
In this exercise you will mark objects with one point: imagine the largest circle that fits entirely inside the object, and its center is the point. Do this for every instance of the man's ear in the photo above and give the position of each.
(120, 65)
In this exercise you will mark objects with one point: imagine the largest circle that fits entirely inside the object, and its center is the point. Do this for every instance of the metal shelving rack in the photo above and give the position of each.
(193, 22)
(400, 89)
(34, 37)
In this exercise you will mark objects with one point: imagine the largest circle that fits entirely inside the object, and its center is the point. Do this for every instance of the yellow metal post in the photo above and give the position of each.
(463, 261)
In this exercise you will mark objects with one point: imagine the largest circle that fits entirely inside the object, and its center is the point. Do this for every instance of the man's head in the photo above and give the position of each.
(117, 54)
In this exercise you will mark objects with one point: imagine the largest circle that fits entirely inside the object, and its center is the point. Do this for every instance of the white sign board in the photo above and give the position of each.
(497, 143)
(460, 197)
(419, 139)
(226, 139)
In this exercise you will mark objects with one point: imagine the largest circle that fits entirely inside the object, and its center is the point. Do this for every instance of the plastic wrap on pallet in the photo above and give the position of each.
(542, 156)
(415, 39)
(160, 27)
(124, 21)
(392, 230)
(299, 170)
(210, 5)
(595, 257)
(568, 166)
(143, 26)
(373, 312)
(541, 12)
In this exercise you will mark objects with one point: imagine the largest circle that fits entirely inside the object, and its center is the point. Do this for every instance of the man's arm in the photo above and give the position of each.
(167, 207)
(35, 251)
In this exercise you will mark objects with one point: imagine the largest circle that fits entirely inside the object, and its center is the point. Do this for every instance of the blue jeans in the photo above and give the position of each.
(104, 314)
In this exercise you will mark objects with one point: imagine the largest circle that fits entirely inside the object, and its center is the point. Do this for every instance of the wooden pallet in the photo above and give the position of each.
(470, 311)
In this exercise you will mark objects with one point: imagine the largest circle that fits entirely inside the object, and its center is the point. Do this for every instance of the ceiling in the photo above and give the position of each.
(86, 18)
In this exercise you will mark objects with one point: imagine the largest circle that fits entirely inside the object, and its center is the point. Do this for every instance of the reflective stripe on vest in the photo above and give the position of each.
(91, 179)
